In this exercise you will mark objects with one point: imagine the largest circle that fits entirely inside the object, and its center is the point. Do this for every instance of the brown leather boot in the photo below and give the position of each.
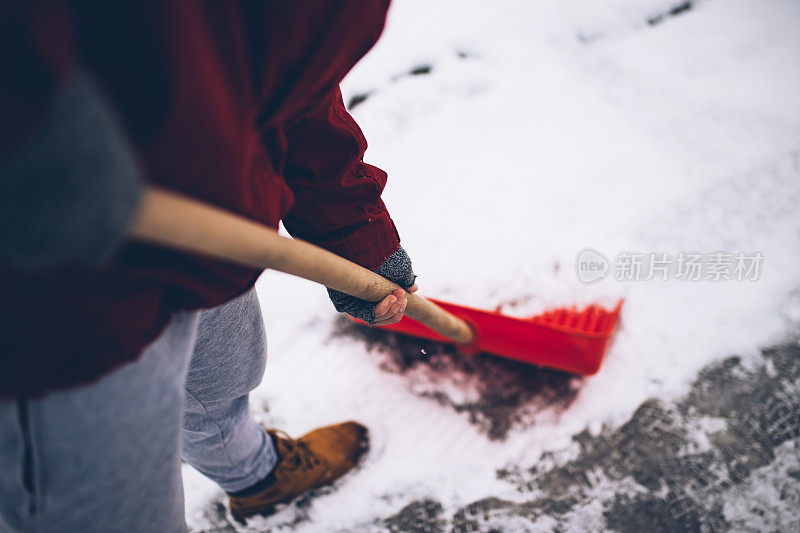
(315, 459)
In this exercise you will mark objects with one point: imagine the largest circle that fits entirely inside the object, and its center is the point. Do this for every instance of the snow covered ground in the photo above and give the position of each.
(515, 134)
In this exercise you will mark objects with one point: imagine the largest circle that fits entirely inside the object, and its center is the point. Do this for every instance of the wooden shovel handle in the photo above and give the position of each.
(175, 221)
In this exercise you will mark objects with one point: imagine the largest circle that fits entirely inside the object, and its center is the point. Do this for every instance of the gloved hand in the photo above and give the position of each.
(396, 268)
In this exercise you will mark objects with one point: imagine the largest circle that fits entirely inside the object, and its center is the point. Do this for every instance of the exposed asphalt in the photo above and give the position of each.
(724, 457)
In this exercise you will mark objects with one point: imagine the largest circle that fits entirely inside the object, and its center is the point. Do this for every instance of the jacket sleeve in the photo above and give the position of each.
(338, 202)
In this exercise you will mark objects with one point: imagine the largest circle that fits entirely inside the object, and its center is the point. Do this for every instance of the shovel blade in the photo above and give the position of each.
(564, 339)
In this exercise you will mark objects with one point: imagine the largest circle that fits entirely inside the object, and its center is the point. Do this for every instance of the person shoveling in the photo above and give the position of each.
(150, 151)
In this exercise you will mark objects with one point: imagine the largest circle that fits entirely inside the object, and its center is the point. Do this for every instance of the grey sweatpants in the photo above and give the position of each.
(106, 457)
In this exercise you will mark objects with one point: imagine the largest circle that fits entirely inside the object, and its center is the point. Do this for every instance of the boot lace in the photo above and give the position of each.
(298, 458)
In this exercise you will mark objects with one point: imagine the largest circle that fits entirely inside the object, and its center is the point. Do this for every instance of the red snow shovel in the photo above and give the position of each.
(564, 339)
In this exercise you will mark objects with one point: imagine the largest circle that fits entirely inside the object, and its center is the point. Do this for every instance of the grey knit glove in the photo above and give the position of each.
(396, 268)
(70, 191)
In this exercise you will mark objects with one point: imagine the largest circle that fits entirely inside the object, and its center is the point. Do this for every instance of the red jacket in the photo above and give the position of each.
(234, 103)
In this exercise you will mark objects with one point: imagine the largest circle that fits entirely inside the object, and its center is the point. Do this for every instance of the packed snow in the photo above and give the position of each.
(516, 134)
